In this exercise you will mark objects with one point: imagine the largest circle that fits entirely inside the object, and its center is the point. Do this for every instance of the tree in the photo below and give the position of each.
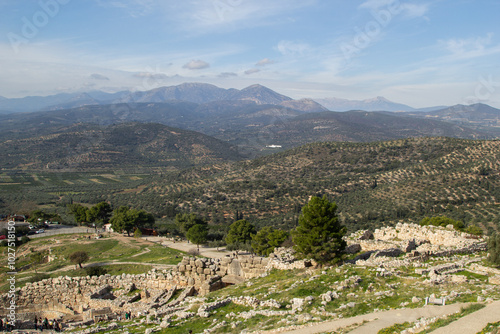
(474, 229)
(198, 234)
(319, 233)
(267, 239)
(99, 213)
(442, 221)
(126, 219)
(494, 249)
(137, 233)
(187, 220)
(79, 211)
(240, 232)
(36, 258)
(41, 216)
(79, 257)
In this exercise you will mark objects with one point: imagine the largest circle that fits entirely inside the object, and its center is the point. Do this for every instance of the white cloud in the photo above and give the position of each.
(252, 71)
(196, 65)
(203, 16)
(97, 76)
(292, 48)
(264, 62)
(376, 4)
(414, 10)
(468, 45)
(227, 75)
(150, 75)
(395, 7)
(134, 8)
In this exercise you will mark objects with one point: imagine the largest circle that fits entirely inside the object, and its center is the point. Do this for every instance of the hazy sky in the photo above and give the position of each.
(422, 53)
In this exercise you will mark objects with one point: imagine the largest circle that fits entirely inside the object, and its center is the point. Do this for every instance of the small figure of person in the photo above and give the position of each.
(36, 323)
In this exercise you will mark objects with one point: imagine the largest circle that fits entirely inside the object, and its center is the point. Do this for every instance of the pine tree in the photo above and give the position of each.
(319, 233)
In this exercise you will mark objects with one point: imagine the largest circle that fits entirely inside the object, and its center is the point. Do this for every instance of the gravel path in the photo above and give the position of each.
(379, 320)
(474, 322)
(186, 247)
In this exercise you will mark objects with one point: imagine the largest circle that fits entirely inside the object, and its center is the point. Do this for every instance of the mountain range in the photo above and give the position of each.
(188, 92)
(255, 119)
(198, 93)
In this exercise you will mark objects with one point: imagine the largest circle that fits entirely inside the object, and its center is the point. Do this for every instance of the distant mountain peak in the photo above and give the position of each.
(378, 103)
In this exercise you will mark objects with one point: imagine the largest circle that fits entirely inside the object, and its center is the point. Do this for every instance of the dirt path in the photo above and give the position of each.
(146, 250)
(379, 320)
(186, 247)
(474, 322)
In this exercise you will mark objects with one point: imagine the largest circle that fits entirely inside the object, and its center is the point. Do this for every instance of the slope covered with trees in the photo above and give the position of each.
(371, 183)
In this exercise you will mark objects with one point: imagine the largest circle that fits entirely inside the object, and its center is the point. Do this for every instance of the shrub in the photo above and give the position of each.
(137, 233)
(96, 271)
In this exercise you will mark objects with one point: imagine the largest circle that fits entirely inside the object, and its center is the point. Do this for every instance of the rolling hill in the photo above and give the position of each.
(373, 183)
(135, 146)
(475, 115)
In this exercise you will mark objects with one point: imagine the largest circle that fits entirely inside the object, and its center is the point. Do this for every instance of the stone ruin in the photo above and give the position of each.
(159, 293)
(414, 239)
(87, 299)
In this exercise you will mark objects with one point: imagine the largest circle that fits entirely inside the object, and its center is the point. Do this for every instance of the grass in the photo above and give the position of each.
(471, 275)
(491, 328)
(396, 328)
(107, 249)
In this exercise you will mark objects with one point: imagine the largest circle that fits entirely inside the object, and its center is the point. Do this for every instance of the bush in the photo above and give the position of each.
(474, 229)
(443, 221)
(96, 271)
(137, 233)
(194, 252)
(37, 278)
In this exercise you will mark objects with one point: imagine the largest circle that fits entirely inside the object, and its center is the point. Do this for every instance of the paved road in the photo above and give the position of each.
(379, 320)
(62, 229)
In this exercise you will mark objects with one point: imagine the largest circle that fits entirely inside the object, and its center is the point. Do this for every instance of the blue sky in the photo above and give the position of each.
(422, 53)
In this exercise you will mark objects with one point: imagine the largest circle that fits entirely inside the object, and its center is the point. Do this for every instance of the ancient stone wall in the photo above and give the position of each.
(75, 294)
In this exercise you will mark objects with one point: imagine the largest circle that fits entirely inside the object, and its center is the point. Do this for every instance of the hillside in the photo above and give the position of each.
(245, 123)
(473, 115)
(357, 126)
(122, 146)
(372, 183)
